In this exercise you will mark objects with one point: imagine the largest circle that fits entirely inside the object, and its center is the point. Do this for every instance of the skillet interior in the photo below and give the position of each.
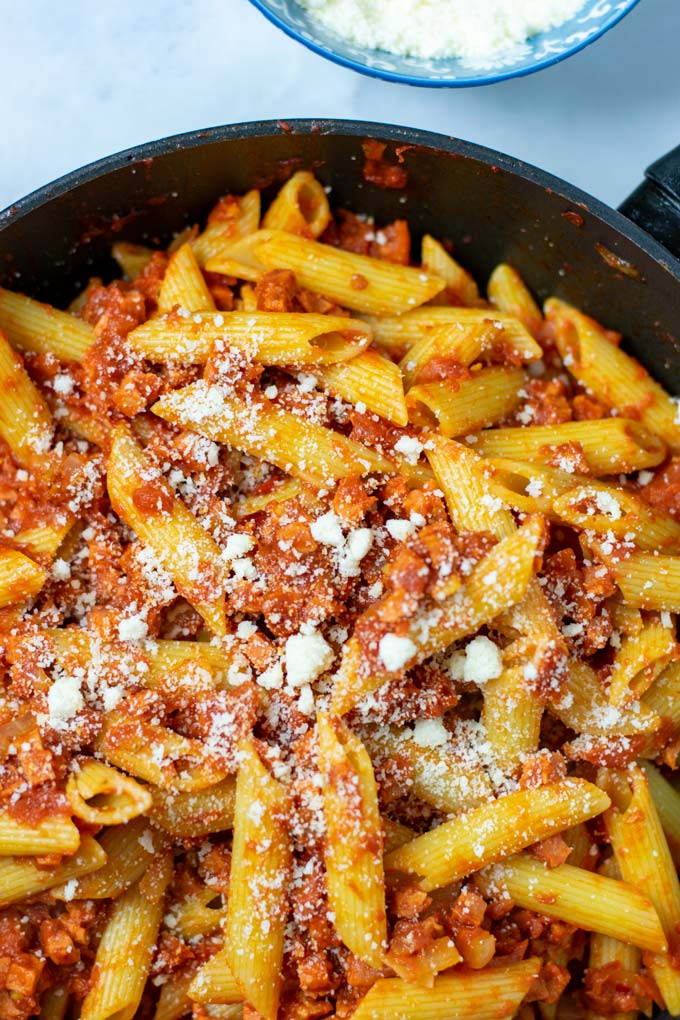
(492, 207)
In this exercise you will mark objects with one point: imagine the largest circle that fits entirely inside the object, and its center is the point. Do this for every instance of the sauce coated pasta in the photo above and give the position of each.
(340, 672)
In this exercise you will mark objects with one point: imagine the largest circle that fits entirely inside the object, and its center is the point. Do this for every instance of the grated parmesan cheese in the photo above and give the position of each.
(307, 656)
(482, 661)
(395, 651)
(430, 733)
(442, 28)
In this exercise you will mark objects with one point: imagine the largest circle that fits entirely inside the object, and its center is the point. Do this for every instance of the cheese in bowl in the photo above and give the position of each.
(473, 32)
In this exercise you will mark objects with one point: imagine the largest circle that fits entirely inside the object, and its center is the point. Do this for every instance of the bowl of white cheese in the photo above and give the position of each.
(445, 43)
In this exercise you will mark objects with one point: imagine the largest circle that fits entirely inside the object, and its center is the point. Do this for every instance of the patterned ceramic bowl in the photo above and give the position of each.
(595, 18)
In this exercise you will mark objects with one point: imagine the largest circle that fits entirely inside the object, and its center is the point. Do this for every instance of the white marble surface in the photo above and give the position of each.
(78, 81)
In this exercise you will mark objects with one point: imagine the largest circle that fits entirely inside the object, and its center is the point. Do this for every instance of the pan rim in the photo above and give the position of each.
(449, 144)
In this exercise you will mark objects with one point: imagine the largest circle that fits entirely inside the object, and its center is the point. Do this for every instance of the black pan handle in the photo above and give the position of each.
(655, 205)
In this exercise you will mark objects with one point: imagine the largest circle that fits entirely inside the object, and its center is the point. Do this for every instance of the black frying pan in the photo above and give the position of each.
(492, 207)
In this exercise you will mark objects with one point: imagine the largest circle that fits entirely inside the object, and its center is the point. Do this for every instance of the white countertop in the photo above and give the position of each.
(78, 81)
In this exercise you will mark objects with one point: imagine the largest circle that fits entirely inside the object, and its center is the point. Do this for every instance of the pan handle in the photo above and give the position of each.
(655, 204)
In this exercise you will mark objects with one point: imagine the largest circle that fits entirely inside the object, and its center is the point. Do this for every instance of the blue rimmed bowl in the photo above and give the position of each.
(593, 20)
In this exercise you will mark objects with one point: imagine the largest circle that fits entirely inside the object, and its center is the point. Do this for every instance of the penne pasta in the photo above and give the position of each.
(126, 852)
(644, 858)
(147, 503)
(437, 260)
(584, 706)
(215, 981)
(183, 285)
(508, 293)
(238, 257)
(257, 906)
(610, 374)
(308, 451)
(481, 995)
(609, 510)
(494, 830)
(301, 207)
(458, 407)
(25, 419)
(53, 834)
(194, 812)
(132, 258)
(512, 717)
(124, 953)
(44, 539)
(609, 445)
(115, 797)
(370, 380)
(649, 581)
(222, 233)
(466, 333)
(20, 577)
(20, 877)
(639, 660)
(667, 803)
(41, 329)
(358, 282)
(354, 868)
(274, 338)
(435, 775)
(579, 897)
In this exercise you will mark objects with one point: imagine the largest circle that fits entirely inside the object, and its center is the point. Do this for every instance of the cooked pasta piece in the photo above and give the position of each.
(645, 860)
(53, 834)
(132, 258)
(300, 207)
(639, 660)
(255, 924)
(579, 897)
(302, 448)
(215, 981)
(508, 292)
(20, 577)
(667, 803)
(115, 797)
(465, 333)
(227, 230)
(494, 830)
(41, 329)
(147, 503)
(437, 260)
(370, 380)
(124, 954)
(649, 581)
(610, 374)
(273, 338)
(183, 284)
(126, 852)
(512, 717)
(21, 877)
(195, 812)
(458, 407)
(609, 445)
(25, 419)
(489, 995)
(354, 868)
(358, 282)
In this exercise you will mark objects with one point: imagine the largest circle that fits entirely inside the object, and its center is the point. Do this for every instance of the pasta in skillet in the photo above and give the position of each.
(340, 664)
